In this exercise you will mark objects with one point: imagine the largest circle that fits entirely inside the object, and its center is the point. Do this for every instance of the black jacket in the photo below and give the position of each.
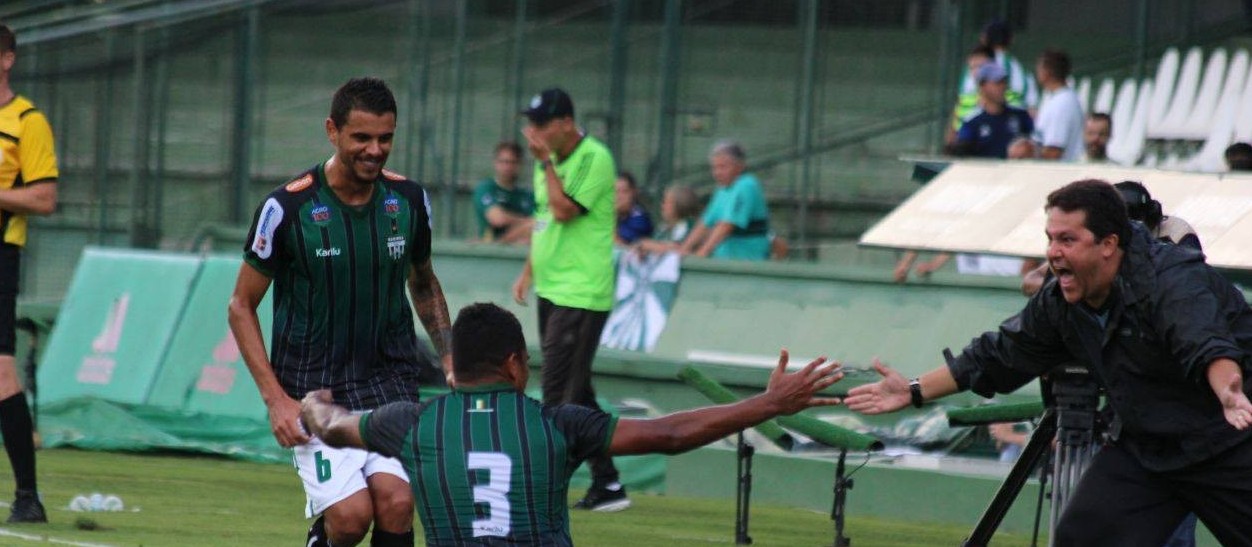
(1170, 315)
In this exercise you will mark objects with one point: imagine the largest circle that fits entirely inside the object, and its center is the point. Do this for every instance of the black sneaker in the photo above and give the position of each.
(605, 498)
(317, 533)
(27, 508)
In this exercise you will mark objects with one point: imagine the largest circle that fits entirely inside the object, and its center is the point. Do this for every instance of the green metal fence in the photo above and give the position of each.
(170, 115)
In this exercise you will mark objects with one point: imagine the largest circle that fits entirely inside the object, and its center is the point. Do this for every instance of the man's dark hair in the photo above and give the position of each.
(483, 336)
(630, 179)
(1056, 62)
(1239, 156)
(365, 94)
(8, 40)
(997, 33)
(511, 146)
(1102, 116)
(1106, 212)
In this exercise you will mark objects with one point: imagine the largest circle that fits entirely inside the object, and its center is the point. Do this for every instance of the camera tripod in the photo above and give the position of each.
(1070, 418)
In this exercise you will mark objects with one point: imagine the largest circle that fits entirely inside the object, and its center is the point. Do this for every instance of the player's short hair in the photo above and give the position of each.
(1102, 117)
(1103, 204)
(483, 336)
(511, 146)
(630, 179)
(8, 40)
(366, 94)
(1056, 62)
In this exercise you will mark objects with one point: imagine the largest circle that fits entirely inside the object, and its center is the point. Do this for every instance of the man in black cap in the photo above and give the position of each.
(571, 264)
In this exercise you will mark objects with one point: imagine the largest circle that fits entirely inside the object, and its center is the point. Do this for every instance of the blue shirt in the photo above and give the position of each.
(989, 135)
(635, 225)
(742, 204)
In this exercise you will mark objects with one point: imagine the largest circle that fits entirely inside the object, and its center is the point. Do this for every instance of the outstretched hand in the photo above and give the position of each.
(1235, 404)
(797, 391)
(889, 394)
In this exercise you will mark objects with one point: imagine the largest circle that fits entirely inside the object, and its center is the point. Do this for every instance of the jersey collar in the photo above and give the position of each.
(484, 388)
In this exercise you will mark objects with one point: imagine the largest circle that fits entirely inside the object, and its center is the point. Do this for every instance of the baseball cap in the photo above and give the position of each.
(549, 104)
(991, 71)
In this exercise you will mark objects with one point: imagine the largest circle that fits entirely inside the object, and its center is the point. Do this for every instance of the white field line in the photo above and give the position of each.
(48, 539)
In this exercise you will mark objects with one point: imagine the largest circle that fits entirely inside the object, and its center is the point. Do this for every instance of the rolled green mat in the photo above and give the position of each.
(830, 434)
(990, 414)
(719, 394)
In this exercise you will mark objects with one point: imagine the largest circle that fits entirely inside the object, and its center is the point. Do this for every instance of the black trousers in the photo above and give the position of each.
(1118, 502)
(569, 337)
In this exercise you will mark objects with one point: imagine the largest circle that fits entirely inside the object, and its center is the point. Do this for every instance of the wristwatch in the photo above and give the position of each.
(915, 392)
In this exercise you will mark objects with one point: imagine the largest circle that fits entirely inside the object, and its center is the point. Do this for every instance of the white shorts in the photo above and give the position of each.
(332, 474)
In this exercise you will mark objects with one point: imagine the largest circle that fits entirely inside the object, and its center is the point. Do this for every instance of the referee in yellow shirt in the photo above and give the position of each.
(28, 174)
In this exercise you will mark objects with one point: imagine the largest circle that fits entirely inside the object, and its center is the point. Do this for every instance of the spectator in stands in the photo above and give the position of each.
(735, 225)
(1021, 93)
(967, 98)
(633, 221)
(1058, 127)
(1009, 440)
(28, 187)
(1095, 137)
(679, 208)
(994, 124)
(1022, 148)
(1239, 156)
(504, 209)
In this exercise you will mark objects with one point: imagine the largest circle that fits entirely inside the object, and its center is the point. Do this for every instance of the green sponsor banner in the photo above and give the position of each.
(115, 324)
(203, 371)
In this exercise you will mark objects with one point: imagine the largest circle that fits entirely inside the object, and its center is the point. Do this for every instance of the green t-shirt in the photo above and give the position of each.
(572, 261)
(742, 204)
(489, 194)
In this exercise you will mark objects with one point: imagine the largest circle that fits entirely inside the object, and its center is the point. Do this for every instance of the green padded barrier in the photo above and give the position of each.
(989, 414)
(115, 324)
(203, 371)
(720, 395)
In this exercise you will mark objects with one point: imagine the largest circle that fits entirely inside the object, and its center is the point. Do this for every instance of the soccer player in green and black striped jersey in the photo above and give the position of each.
(491, 466)
(339, 243)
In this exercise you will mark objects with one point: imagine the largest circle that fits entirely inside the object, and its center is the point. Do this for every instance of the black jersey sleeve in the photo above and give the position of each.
(588, 431)
(385, 429)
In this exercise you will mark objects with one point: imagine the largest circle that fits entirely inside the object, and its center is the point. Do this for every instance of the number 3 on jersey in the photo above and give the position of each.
(495, 493)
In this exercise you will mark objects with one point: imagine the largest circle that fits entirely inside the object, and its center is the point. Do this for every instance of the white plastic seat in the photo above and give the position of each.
(1104, 97)
(1166, 75)
(1122, 111)
(1183, 99)
(1084, 93)
(1130, 137)
(1197, 124)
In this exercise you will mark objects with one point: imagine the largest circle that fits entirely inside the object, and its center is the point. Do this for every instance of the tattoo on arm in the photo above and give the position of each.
(431, 307)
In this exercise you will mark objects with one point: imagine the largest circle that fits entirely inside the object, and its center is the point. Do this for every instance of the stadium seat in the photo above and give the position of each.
(1083, 89)
(1211, 157)
(1197, 124)
(1166, 74)
(1122, 112)
(1129, 145)
(1104, 97)
(1182, 100)
(1243, 117)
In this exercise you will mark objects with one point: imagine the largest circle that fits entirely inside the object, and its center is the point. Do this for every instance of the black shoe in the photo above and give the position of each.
(27, 508)
(606, 498)
(317, 533)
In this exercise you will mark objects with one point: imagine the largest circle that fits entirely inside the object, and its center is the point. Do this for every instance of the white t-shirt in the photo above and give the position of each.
(1059, 123)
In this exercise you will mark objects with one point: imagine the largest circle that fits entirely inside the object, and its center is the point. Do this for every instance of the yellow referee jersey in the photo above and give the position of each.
(26, 157)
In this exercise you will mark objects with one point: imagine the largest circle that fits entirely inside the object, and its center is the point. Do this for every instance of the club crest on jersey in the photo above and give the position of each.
(395, 247)
(321, 215)
(391, 206)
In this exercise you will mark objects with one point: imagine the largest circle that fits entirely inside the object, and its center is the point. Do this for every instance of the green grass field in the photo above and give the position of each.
(180, 500)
